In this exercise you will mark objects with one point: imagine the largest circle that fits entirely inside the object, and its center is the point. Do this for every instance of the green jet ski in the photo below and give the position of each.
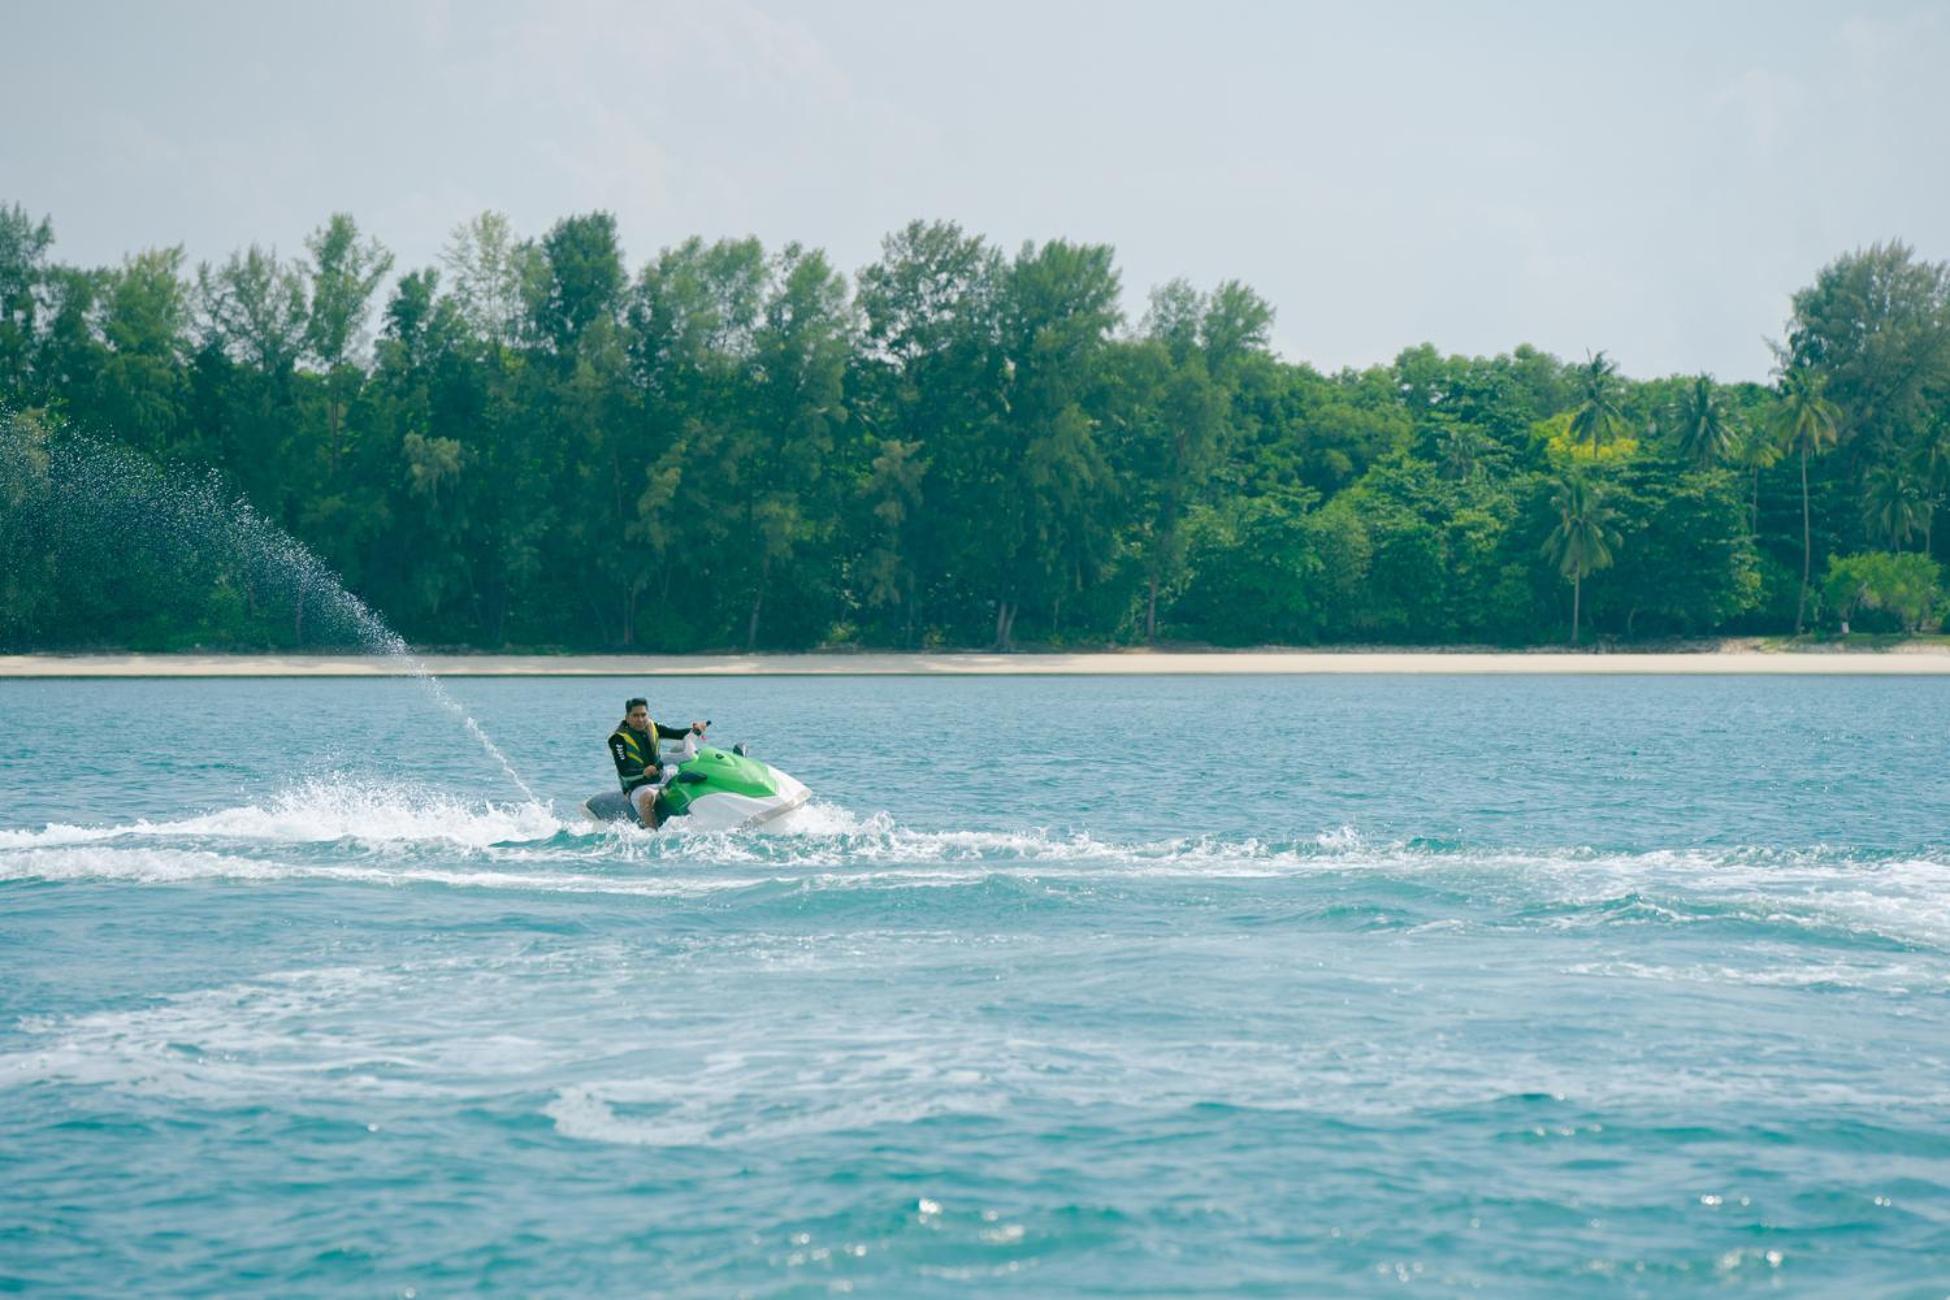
(710, 789)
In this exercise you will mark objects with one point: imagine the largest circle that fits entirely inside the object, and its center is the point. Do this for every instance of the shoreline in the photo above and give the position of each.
(1918, 661)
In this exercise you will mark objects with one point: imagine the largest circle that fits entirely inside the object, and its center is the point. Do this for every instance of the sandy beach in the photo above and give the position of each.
(1917, 661)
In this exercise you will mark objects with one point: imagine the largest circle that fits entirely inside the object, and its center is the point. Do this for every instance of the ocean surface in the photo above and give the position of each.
(1263, 986)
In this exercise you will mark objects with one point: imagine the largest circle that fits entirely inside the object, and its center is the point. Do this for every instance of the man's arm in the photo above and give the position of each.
(628, 766)
(677, 733)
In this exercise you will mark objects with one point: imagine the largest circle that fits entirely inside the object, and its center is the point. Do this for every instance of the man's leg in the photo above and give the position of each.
(644, 800)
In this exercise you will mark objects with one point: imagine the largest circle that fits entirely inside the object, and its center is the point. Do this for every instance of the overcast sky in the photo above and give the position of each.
(1651, 179)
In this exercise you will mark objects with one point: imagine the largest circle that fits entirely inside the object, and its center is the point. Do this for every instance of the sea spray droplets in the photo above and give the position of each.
(97, 509)
(296, 563)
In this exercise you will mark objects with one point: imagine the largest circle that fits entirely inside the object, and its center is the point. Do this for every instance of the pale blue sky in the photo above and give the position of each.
(1655, 182)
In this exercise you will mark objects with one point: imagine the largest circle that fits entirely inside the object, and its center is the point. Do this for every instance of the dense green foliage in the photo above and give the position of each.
(1904, 588)
(530, 446)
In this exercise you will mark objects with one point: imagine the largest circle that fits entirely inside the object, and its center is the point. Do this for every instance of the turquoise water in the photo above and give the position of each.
(1061, 986)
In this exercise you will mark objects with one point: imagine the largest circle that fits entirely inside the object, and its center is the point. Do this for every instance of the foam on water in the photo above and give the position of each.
(412, 835)
(328, 809)
(151, 866)
(653, 1060)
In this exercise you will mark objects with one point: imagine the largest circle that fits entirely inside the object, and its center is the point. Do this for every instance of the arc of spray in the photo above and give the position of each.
(81, 475)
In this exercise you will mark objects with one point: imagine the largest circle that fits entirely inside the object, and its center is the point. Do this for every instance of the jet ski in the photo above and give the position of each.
(709, 789)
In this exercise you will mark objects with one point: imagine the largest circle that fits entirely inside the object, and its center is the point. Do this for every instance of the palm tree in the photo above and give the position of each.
(1895, 501)
(1581, 543)
(1709, 434)
(1461, 448)
(1600, 415)
(1759, 449)
(1806, 422)
(1933, 461)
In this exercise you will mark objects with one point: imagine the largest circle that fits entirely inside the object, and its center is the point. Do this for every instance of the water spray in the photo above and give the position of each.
(101, 508)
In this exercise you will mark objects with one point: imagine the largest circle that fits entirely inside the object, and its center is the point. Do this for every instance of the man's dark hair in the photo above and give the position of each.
(632, 702)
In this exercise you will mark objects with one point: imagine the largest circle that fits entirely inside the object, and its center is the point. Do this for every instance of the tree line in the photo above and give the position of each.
(529, 446)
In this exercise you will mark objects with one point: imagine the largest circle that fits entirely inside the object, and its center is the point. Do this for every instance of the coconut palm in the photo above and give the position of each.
(1807, 423)
(1759, 449)
(1895, 502)
(1933, 463)
(1581, 543)
(1461, 448)
(1600, 413)
(1708, 433)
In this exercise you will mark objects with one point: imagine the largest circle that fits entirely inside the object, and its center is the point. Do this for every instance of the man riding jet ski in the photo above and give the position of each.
(713, 789)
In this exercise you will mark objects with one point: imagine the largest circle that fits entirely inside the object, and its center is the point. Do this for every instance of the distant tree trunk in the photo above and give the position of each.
(912, 614)
(335, 416)
(758, 601)
(1005, 625)
(474, 610)
(298, 615)
(1577, 585)
(1151, 613)
(1807, 546)
(498, 618)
